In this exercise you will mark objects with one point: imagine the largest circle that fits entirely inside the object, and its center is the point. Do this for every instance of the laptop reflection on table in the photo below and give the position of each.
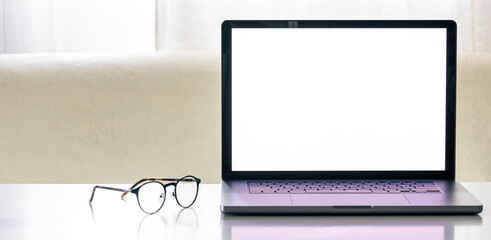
(344, 227)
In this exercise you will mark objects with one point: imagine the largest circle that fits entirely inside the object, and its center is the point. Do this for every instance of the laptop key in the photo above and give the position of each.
(317, 191)
(297, 191)
(269, 191)
(379, 191)
(255, 191)
(256, 184)
(364, 191)
(282, 191)
(434, 191)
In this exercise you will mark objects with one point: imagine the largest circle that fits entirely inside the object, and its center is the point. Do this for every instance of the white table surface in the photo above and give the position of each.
(62, 211)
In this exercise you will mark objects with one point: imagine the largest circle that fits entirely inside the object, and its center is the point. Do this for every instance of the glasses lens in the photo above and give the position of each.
(186, 191)
(151, 197)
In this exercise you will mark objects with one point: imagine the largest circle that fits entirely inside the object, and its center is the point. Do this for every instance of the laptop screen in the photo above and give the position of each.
(338, 99)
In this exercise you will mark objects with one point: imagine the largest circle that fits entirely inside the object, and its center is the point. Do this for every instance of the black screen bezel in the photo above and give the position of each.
(226, 100)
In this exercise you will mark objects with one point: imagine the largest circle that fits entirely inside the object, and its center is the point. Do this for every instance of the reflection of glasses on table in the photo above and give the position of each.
(151, 192)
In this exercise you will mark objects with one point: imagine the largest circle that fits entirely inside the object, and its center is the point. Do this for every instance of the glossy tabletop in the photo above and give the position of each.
(45, 211)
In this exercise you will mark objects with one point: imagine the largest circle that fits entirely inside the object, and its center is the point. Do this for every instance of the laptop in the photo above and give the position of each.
(340, 117)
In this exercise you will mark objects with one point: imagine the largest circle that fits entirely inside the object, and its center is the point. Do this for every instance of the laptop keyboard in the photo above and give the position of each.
(333, 187)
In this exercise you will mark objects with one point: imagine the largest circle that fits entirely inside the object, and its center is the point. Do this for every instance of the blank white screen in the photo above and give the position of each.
(325, 99)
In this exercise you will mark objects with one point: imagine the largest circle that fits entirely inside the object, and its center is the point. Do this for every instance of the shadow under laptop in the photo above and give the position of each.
(345, 227)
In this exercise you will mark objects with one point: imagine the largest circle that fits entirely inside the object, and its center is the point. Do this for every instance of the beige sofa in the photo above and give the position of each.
(115, 118)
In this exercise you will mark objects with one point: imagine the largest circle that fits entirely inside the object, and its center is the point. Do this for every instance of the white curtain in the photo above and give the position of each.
(195, 24)
(28, 26)
(149, 25)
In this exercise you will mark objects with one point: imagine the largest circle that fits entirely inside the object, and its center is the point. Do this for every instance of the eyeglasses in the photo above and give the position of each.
(151, 193)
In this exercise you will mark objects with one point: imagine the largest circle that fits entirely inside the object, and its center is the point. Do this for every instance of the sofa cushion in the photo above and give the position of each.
(109, 118)
(473, 151)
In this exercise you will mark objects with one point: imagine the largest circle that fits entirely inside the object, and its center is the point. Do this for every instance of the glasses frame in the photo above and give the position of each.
(136, 188)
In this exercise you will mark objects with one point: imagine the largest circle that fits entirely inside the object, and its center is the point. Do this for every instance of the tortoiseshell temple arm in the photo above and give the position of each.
(155, 179)
(107, 188)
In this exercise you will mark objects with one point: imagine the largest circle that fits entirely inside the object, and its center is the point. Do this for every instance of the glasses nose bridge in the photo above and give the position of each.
(173, 184)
